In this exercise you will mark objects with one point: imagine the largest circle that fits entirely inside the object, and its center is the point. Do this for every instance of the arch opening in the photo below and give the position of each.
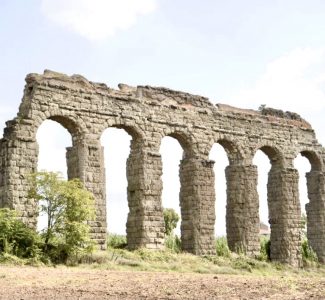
(303, 166)
(183, 141)
(171, 151)
(308, 164)
(53, 139)
(273, 154)
(263, 162)
(116, 142)
(313, 159)
(219, 154)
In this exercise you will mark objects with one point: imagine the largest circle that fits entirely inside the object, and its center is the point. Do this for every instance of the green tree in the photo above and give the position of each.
(171, 219)
(68, 206)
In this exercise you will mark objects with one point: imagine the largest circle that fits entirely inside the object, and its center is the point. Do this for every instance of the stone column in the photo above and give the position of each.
(284, 214)
(145, 224)
(242, 213)
(85, 160)
(315, 210)
(18, 160)
(197, 200)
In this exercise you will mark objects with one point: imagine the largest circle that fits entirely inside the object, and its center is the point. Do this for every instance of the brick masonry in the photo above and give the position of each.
(148, 114)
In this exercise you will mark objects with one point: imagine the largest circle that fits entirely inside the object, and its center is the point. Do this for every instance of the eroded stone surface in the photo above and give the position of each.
(148, 114)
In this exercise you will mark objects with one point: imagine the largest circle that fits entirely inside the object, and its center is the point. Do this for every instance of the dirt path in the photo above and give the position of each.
(77, 283)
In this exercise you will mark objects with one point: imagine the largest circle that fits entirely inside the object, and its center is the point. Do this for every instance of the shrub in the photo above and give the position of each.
(173, 243)
(222, 247)
(16, 238)
(265, 251)
(308, 254)
(116, 241)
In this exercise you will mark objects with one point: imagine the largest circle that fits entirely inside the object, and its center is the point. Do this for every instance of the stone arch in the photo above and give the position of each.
(283, 203)
(74, 125)
(313, 158)
(221, 161)
(241, 197)
(185, 139)
(315, 221)
(234, 156)
(71, 122)
(136, 145)
(136, 133)
(76, 129)
(274, 154)
(192, 192)
(186, 144)
(234, 152)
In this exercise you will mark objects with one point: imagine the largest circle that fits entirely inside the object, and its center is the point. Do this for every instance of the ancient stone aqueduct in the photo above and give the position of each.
(148, 114)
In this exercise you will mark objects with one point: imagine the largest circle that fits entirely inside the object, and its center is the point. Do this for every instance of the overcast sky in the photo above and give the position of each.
(242, 53)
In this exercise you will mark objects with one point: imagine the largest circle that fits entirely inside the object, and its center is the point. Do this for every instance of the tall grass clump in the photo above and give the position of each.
(173, 243)
(222, 247)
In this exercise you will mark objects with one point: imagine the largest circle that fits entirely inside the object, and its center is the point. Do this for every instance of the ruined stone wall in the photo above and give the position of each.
(148, 114)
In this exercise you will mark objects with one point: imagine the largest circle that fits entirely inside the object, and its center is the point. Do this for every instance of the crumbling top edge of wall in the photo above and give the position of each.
(271, 114)
(162, 95)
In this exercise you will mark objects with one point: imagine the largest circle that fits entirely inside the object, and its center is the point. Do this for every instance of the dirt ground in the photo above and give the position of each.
(80, 283)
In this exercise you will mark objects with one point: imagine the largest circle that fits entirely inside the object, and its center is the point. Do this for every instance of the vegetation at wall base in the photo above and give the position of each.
(68, 241)
(16, 239)
(309, 257)
(68, 206)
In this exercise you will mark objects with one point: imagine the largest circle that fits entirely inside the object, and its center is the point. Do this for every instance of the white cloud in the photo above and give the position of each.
(96, 19)
(293, 82)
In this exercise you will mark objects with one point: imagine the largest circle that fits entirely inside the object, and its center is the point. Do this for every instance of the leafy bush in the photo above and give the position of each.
(222, 247)
(308, 254)
(116, 241)
(265, 251)
(16, 238)
(171, 219)
(173, 243)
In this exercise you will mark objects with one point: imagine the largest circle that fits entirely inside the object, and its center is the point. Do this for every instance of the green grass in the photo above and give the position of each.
(169, 261)
(172, 259)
